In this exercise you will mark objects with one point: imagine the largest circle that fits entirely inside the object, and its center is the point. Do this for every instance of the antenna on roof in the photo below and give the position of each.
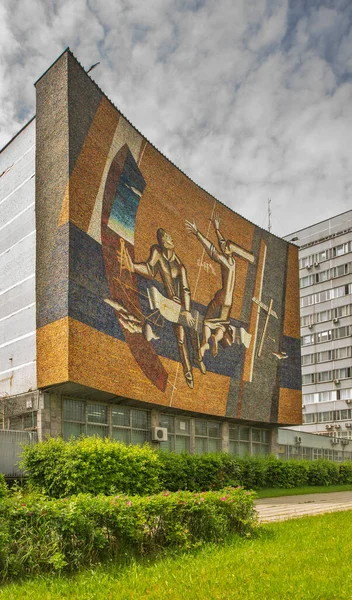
(93, 67)
(269, 215)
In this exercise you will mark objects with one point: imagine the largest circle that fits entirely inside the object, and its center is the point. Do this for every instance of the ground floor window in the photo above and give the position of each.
(24, 422)
(178, 433)
(248, 440)
(207, 436)
(185, 434)
(130, 425)
(123, 423)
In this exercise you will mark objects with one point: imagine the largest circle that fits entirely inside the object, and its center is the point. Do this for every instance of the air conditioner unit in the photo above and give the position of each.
(298, 439)
(316, 264)
(310, 326)
(309, 267)
(336, 381)
(159, 434)
(336, 320)
(328, 426)
(349, 401)
(348, 425)
(337, 426)
(303, 406)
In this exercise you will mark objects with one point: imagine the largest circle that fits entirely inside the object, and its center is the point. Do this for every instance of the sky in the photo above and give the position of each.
(252, 99)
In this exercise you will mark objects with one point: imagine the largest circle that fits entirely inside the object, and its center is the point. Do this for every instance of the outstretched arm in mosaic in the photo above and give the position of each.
(207, 244)
(221, 239)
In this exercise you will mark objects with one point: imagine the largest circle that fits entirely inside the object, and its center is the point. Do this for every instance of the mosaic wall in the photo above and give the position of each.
(148, 287)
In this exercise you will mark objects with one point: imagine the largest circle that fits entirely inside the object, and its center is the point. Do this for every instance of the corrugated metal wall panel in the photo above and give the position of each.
(11, 445)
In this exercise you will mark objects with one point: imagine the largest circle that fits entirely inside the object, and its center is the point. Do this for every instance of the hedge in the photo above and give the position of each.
(92, 465)
(96, 466)
(40, 534)
(3, 486)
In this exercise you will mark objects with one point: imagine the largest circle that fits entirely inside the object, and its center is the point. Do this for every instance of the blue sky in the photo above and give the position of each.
(250, 98)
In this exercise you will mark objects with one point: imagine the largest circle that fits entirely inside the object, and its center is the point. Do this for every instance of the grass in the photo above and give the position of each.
(317, 489)
(304, 559)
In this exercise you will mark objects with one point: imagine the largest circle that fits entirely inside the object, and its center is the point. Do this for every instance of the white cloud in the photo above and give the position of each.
(251, 98)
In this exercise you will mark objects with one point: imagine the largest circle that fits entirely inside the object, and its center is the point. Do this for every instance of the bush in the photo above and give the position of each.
(253, 472)
(286, 474)
(199, 472)
(41, 534)
(91, 465)
(96, 466)
(323, 472)
(345, 472)
(3, 486)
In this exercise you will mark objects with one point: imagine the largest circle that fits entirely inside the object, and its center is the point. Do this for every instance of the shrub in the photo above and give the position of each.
(96, 466)
(345, 472)
(42, 534)
(253, 472)
(286, 474)
(323, 472)
(91, 465)
(3, 486)
(199, 472)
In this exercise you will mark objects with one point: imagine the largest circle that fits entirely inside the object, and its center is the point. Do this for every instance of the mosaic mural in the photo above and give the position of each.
(166, 295)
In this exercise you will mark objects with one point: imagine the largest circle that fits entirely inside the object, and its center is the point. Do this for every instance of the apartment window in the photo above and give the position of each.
(327, 396)
(323, 336)
(130, 425)
(317, 453)
(345, 352)
(342, 311)
(308, 379)
(345, 394)
(178, 431)
(323, 356)
(322, 316)
(305, 281)
(207, 436)
(323, 255)
(325, 295)
(338, 250)
(342, 332)
(307, 340)
(344, 373)
(324, 376)
(308, 359)
(309, 418)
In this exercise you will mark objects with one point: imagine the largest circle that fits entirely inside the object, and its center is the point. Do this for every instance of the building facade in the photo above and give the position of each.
(139, 307)
(325, 262)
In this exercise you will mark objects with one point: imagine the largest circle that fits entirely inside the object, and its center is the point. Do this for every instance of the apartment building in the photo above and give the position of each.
(325, 275)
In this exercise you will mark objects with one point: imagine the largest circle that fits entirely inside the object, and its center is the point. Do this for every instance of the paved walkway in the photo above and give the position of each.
(292, 507)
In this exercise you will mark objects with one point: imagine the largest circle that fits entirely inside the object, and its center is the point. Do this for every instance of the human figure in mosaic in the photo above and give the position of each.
(164, 262)
(217, 317)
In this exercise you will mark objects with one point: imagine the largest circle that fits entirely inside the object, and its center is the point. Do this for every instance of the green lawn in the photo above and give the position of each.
(309, 489)
(302, 559)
